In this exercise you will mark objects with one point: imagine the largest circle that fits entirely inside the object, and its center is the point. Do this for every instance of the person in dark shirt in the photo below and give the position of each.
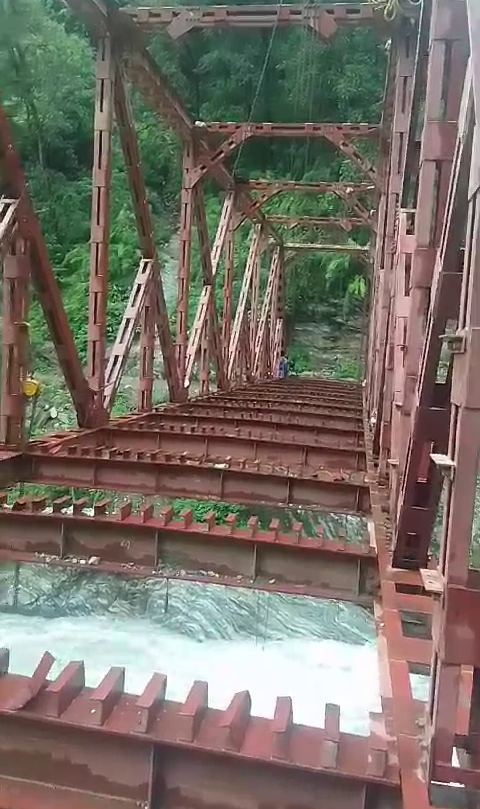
(283, 367)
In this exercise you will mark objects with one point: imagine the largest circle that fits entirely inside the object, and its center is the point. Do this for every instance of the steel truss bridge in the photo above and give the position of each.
(387, 450)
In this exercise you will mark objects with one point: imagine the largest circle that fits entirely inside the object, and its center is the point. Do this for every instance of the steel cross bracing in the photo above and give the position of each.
(388, 452)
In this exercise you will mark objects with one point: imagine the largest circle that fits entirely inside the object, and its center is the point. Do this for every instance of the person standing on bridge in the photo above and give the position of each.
(283, 367)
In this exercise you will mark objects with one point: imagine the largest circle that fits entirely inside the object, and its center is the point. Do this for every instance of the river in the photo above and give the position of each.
(315, 651)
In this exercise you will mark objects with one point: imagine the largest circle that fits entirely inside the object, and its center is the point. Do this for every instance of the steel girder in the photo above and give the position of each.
(143, 543)
(434, 428)
(179, 20)
(123, 750)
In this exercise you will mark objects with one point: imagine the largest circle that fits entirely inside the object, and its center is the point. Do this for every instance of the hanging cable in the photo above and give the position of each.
(259, 85)
(392, 7)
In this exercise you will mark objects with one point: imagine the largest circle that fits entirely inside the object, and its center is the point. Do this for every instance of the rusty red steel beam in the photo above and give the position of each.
(321, 187)
(260, 358)
(126, 332)
(324, 19)
(328, 248)
(340, 135)
(44, 280)
(240, 314)
(328, 400)
(188, 475)
(247, 424)
(422, 481)
(153, 310)
(100, 217)
(206, 295)
(255, 130)
(313, 383)
(307, 454)
(15, 343)
(8, 221)
(343, 420)
(402, 713)
(135, 748)
(144, 543)
(210, 320)
(344, 222)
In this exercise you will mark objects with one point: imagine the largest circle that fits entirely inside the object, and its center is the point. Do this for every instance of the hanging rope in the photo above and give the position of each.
(259, 85)
(394, 6)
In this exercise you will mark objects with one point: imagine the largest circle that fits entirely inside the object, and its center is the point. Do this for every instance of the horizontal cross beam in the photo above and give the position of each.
(324, 19)
(328, 248)
(64, 532)
(289, 130)
(306, 187)
(344, 222)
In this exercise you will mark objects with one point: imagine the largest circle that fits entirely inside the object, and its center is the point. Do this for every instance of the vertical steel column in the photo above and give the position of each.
(206, 307)
(153, 304)
(240, 315)
(184, 259)
(446, 68)
(228, 288)
(428, 424)
(100, 224)
(16, 274)
(384, 171)
(262, 361)
(254, 300)
(147, 351)
(401, 124)
(44, 280)
(457, 627)
(405, 247)
(205, 354)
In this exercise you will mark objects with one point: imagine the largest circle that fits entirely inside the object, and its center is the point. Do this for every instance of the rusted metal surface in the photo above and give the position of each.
(8, 221)
(143, 542)
(254, 130)
(15, 342)
(48, 292)
(153, 313)
(325, 20)
(215, 478)
(100, 219)
(192, 440)
(114, 749)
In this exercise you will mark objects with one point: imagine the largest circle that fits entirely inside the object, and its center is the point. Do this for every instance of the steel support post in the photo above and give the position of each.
(254, 301)
(148, 307)
(426, 430)
(399, 434)
(44, 280)
(446, 70)
(133, 310)
(240, 316)
(205, 352)
(210, 264)
(100, 223)
(402, 106)
(15, 299)
(261, 353)
(228, 288)
(211, 328)
(184, 258)
(457, 631)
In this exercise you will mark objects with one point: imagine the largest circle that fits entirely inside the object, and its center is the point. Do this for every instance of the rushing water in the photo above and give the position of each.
(316, 651)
